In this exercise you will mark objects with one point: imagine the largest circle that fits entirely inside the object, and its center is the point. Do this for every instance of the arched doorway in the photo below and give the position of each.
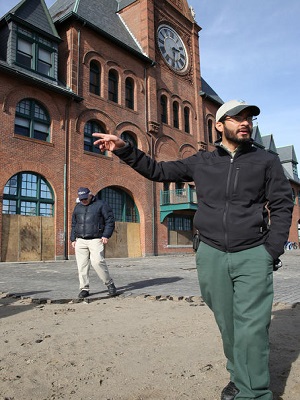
(126, 241)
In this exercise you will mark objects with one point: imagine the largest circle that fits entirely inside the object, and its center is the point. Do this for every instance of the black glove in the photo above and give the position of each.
(277, 264)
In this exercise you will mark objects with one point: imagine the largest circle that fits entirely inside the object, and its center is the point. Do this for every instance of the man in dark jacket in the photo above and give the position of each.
(93, 224)
(244, 215)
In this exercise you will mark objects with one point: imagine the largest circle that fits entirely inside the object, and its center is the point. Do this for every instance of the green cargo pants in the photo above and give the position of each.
(238, 287)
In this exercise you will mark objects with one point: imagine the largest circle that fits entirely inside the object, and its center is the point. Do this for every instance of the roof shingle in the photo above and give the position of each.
(101, 15)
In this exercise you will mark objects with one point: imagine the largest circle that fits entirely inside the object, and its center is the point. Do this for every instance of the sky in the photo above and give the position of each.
(250, 50)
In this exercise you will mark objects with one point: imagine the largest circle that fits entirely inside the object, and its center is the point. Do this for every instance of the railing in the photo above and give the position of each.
(178, 196)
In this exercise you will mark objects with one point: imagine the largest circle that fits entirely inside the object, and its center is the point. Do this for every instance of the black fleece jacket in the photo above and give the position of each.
(93, 221)
(232, 194)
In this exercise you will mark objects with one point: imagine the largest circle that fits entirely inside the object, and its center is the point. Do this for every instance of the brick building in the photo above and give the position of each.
(128, 67)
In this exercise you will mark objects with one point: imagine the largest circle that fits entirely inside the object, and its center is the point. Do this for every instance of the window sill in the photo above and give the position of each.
(90, 153)
(29, 139)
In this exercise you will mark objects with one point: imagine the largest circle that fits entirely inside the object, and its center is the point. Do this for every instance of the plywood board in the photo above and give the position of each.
(30, 238)
(10, 238)
(134, 240)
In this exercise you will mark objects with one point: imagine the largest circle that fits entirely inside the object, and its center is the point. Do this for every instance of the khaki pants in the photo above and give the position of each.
(238, 287)
(91, 252)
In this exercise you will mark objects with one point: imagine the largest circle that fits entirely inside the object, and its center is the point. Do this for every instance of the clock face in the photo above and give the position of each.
(172, 48)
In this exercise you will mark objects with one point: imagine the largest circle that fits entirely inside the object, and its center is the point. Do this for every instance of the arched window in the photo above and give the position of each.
(113, 86)
(32, 120)
(175, 114)
(94, 78)
(90, 128)
(166, 193)
(27, 193)
(123, 206)
(164, 109)
(128, 137)
(210, 131)
(129, 93)
(186, 113)
(179, 185)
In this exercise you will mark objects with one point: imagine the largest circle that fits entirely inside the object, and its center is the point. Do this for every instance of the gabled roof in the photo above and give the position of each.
(291, 176)
(208, 92)
(101, 16)
(256, 136)
(289, 162)
(287, 154)
(34, 16)
(269, 143)
(34, 13)
(124, 3)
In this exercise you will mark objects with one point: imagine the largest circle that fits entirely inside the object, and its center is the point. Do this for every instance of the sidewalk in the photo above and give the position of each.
(157, 276)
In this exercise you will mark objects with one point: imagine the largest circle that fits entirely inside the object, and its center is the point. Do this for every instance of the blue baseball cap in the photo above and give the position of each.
(83, 193)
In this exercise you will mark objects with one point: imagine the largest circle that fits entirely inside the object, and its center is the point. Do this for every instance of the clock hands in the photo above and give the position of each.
(172, 48)
(175, 50)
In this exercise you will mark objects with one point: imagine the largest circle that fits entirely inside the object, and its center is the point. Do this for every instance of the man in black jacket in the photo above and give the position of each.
(93, 224)
(244, 215)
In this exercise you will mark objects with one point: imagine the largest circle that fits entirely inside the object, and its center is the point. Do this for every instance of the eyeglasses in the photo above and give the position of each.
(240, 118)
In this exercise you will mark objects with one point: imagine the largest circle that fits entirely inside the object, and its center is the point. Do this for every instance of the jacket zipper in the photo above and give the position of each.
(227, 204)
(84, 224)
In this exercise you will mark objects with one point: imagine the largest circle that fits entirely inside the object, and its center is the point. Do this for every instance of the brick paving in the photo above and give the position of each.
(175, 276)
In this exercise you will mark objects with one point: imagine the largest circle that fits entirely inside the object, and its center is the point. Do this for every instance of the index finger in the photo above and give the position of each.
(99, 135)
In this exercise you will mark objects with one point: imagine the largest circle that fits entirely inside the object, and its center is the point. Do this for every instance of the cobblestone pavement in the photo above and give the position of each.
(156, 276)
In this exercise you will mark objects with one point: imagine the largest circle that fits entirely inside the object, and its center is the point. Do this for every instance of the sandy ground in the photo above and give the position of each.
(129, 349)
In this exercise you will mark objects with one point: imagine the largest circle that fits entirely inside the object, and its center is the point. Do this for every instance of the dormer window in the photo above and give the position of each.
(35, 53)
(24, 53)
(295, 170)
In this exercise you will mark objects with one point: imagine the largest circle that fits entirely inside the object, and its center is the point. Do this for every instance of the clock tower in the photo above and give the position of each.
(168, 34)
(177, 75)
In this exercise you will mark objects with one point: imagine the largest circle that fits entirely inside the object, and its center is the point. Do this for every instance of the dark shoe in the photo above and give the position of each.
(83, 294)
(229, 392)
(112, 291)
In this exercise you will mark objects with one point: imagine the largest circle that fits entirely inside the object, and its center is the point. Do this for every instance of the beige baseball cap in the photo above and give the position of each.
(234, 107)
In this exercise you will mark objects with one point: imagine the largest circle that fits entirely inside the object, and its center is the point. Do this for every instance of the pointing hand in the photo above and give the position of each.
(108, 142)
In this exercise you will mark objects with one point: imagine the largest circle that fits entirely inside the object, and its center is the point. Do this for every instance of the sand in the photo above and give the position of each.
(129, 348)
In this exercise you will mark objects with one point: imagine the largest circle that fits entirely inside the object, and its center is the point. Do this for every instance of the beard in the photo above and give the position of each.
(233, 138)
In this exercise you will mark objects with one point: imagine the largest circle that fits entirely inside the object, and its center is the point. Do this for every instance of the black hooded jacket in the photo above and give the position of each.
(92, 221)
(232, 194)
